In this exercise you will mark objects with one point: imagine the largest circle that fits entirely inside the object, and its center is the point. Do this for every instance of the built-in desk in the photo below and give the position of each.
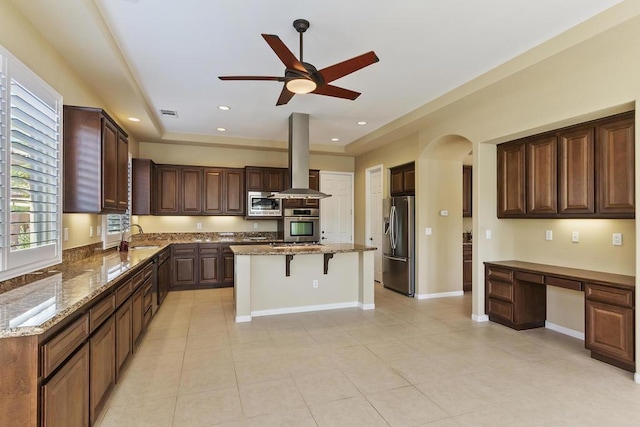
(516, 296)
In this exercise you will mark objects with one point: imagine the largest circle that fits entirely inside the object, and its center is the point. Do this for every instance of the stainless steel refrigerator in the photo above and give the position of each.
(398, 251)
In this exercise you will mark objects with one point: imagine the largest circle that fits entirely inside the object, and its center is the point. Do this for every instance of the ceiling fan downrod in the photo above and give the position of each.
(301, 25)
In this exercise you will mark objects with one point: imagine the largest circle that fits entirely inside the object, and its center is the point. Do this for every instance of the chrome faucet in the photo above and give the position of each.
(124, 244)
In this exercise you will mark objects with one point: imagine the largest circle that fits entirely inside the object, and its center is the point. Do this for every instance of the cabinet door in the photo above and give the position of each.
(191, 191)
(137, 316)
(164, 278)
(255, 179)
(575, 175)
(466, 190)
(467, 270)
(274, 179)
(615, 165)
(123, 173)
(109, 166)
(143, 187)
(209, 261)
(314, 184)
(609, 331)
(234, 195)
(227, 266)
(511, 179)
(542, 176)
(124, 344)
(183, 262)
(397, 182)
(103, 366)
(409, 180)
(213, 192)
(65, 397)
(167, 199)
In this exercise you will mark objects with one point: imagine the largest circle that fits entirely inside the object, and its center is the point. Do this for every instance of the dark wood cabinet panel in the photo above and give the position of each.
(227, 266)
(467, 174)
(137, 317)
(576, 181)
(403, 181)
(168, 190)
(254, 179)
(213, 191)
(265, 179)
(541, 168)
(511, 180)
(143, 187)
(224, 192)
(314, 184)
(124, 343)
(164, 274)
(234, 198)
(209, 264)
(275, 179)
(65, 397)
(102, 366)
(615, 167)
(190, 191)
(467, 268)
(95, 157)
(184, 269)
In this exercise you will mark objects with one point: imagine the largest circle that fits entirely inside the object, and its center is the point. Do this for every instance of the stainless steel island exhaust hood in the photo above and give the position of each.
(299, 161)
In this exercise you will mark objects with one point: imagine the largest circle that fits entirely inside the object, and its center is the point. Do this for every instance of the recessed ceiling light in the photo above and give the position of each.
(335, 139)
(224, 107)
(362, 123)
(221, 129)
(134, 119)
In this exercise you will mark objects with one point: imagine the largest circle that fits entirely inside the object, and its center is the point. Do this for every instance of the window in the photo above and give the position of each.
(113, 224)
(30, 170)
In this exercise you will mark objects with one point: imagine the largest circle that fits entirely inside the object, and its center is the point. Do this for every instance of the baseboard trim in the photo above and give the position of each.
(304, 309)
(440, 295)
(480, 318)
(367, 306)
(636, 377)
(242, 319)
(565, 331)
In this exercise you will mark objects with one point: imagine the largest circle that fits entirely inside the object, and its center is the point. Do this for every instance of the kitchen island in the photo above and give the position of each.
(278, 279)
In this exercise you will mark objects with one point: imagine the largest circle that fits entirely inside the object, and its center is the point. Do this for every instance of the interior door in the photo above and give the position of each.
(374, 217)
(336, 212)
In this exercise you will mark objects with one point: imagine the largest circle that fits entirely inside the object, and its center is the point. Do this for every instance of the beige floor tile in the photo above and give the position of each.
(270, 397)
(393, 349)
(353, 412)
(214, 376)
(198, 342)
(325, 387)
(357, 356)
(156, 364)
(208, 408)
(167, 331)
(129, 391)
(195, 359)
(313, 363)
(286, 418)
(373, 379)
(162, 346)
(257, 371)
(406, 406)
(146, 413)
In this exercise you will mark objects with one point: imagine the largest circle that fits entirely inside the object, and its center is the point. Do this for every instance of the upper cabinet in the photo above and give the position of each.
(584, 171)
(265, 179)
(314, 184)
(467, 172)
(403, 180)
(143, 187)
(223, 192)
(96, 166)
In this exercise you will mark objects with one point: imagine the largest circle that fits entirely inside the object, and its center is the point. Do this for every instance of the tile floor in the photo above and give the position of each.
(407, 363)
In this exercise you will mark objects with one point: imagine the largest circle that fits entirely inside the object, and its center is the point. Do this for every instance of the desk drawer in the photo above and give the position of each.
(609, 295)
(575, 285)
(499, 273)
(501, 290)
(530, 277)
(101, 312)
(56, 350)
(500, 308)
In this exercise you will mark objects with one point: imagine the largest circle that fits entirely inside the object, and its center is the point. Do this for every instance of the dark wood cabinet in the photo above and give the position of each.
(96, 162)
(467, 190)
(124, 343)
(184, 269)
(143, 187)
(227, 266)
(224, 192)
(102, 366)
(583, 171)
(163, 275)
(137, 317)
(576, 181)
(201, 265)
(314, 184)
(265, 179)
(609, 325)
(209, 264)
(403, 180)
(542, 175)
(190, 190)
(213, 192)
(467, 268)
(615, 167)
(511, 180)
(168, 190)
(65, 396)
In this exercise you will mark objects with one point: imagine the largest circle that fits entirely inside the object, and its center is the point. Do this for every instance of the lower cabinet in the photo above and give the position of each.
(201, 265)
(184, 268)
(164, 275)
(137, 316)
(227, 266)
(467, 268)
(209, 264)
(124, 344)
(102, 366)
(65, 396)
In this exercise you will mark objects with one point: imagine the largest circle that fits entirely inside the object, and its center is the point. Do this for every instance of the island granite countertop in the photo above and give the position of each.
(301, 249)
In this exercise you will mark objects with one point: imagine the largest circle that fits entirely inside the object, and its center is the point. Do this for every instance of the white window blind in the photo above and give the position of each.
(30, 170)
(113, 224)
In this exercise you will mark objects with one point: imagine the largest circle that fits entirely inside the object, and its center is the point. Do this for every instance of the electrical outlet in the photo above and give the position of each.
(617, 239)
(91, 231)
(428, 231)
(199, 226)
(255, 225)
(575, 236)
(548, 235)
(315, 283)
(98, 230)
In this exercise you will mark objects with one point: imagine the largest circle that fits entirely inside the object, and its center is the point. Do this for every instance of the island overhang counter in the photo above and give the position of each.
(272, 279)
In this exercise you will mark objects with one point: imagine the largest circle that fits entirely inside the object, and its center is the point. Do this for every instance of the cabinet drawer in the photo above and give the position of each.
(147, 287)
(575, 285)
(148, 271)
(530, 277)
(184, 250)
(207, 249)
(501, 290)
(101, 312)
(606, 294)
(137, 281)
(56, 350)
(499, 273)
(123, 291)
(147, 301)
(147, 317)
(501, 309)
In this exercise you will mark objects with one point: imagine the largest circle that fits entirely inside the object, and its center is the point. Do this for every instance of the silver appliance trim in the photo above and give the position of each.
(251, 211)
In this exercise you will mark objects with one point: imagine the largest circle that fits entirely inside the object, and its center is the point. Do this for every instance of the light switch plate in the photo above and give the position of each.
(575, 236)
(199, 226)
(91, 231)
(548, 235)
(617, 239)
(65, 232)
(444, 212)
(487, 234)
(428, 231)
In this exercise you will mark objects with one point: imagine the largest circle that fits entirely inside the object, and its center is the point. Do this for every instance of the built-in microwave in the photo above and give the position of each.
(259, 204)
(301, 225)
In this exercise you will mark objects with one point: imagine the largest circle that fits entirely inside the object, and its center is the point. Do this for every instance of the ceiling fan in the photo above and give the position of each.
(302, 77)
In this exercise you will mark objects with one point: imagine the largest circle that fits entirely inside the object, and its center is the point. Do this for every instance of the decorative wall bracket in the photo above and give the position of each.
(327, 257)
(288, 259)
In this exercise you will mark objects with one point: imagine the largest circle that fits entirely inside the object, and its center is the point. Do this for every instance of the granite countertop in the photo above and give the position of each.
(34, 308)
(289, 249)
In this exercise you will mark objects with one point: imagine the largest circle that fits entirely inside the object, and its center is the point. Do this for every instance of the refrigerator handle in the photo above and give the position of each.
(394, 258)
(393, 227)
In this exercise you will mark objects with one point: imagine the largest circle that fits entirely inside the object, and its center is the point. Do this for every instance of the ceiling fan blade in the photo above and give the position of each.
(285, 96)
(336, 91)
(341, 69)
(286, 56)
(270, 78)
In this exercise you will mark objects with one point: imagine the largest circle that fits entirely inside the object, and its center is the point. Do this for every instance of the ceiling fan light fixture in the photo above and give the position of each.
(301, 85)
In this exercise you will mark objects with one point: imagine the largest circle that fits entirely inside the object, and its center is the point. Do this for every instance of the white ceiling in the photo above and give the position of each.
(162, 54)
